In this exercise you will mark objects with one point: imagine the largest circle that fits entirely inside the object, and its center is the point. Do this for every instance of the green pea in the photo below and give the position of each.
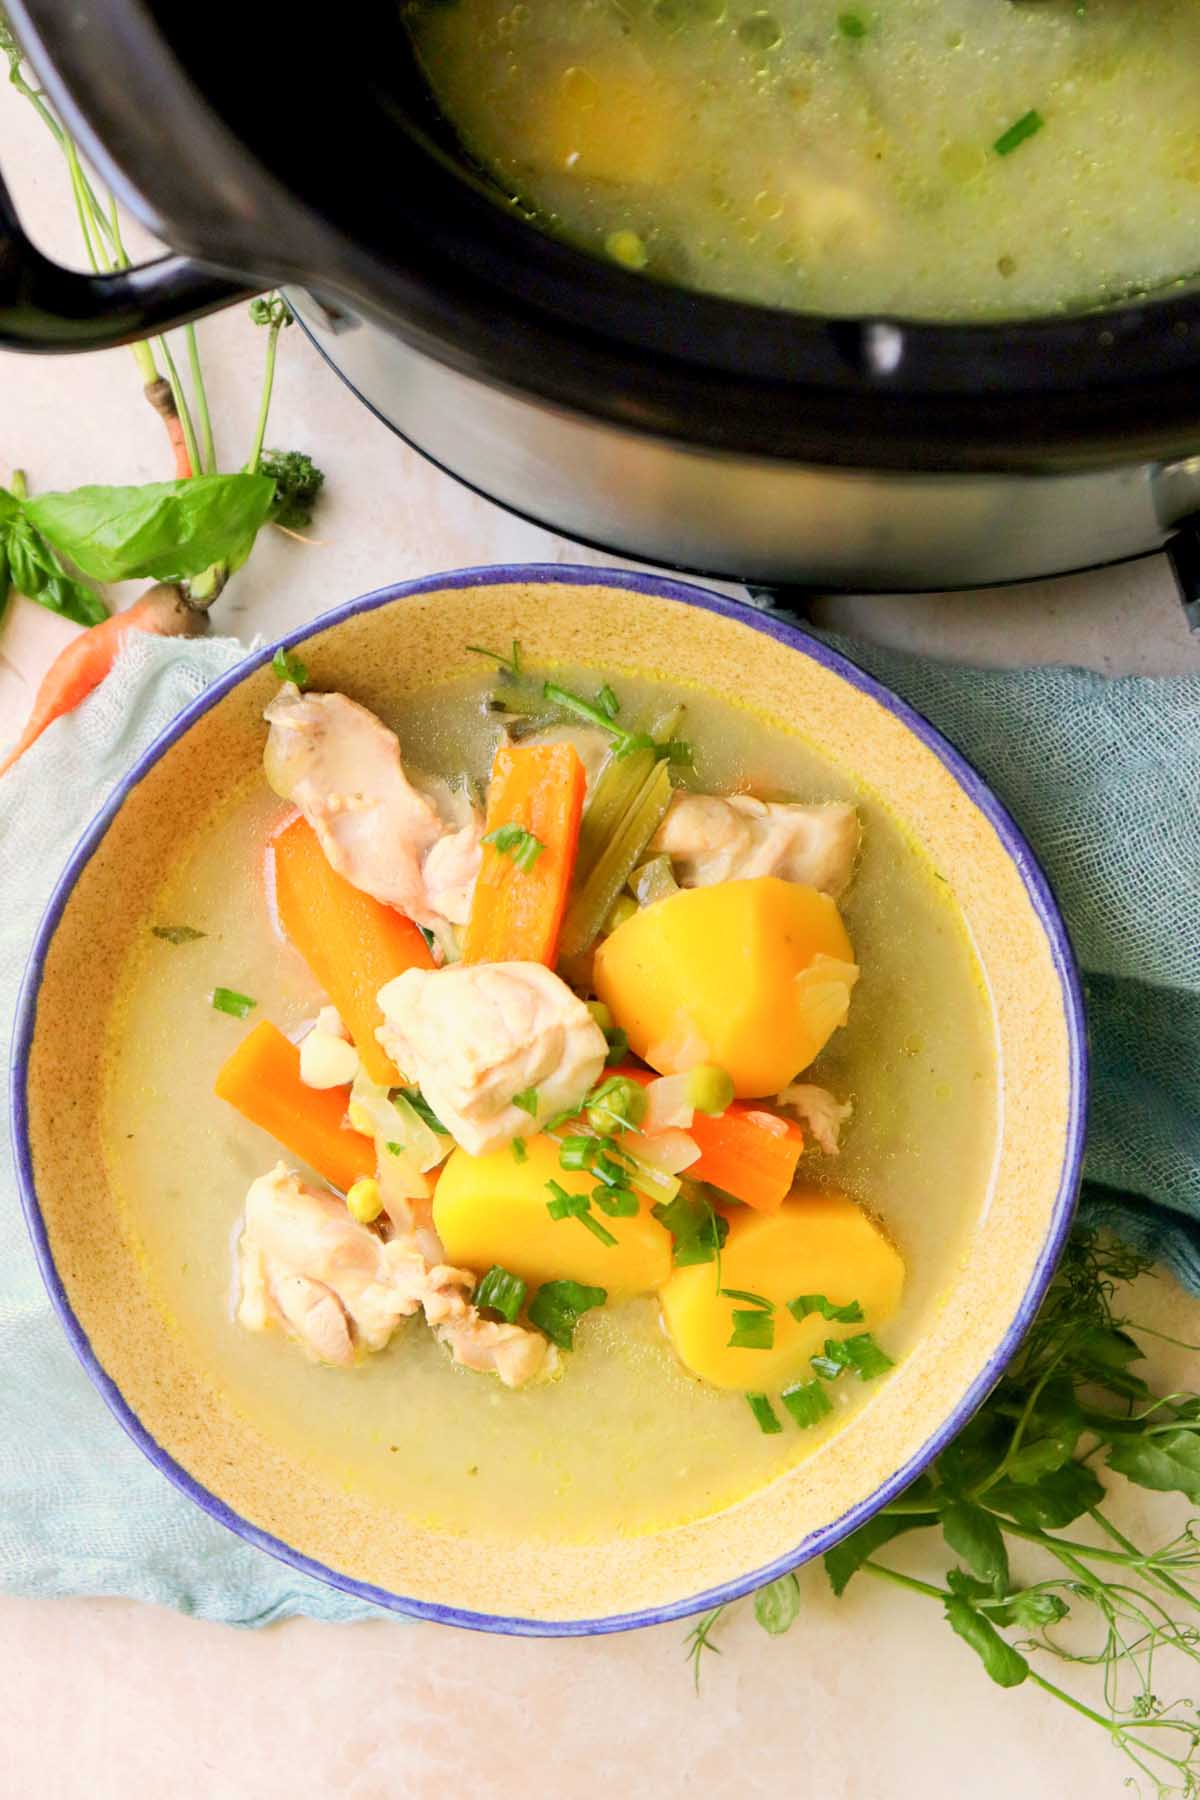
(709, 1089)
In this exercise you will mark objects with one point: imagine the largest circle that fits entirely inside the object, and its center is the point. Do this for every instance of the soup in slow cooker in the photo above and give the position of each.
(931, 158)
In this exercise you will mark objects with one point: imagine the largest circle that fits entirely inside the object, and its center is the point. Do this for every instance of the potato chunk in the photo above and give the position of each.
(752, 975)
(492, 1209)
(819, 1243)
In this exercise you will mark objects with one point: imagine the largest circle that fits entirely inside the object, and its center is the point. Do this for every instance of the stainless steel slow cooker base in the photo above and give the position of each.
(751, 517)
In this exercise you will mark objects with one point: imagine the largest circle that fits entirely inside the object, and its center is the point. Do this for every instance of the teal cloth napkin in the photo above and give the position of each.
(1103, 776)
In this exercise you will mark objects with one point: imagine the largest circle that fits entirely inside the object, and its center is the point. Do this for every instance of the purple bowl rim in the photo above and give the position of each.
(794, 638)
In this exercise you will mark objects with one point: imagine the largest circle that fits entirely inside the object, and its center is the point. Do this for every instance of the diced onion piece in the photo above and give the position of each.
(767, 1122)
(672, 1151)
(667, 1104)
(427, 1148)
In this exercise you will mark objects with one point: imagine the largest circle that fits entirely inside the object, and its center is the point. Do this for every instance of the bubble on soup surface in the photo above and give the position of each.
(760, 31)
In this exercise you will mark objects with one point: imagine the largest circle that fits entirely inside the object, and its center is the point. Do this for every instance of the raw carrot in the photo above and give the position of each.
(745, 1151)
(158, 393)
(520, 899)
(86, 660)
(262, 1079)
(352, 943)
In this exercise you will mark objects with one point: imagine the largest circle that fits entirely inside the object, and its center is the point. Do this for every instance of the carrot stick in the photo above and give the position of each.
(352, 943)
(262, 1079)
(158, 393)
(745, 1151)
(517, 910)
(86, 660)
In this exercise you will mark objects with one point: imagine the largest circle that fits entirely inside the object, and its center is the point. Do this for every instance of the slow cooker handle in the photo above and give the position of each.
(49, 309)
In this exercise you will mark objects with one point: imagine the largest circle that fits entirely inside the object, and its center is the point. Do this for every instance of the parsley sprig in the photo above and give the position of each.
(1026, 1468)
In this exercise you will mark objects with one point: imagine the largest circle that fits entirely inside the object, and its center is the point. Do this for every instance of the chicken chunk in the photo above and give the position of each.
(710, 840)
(337, 1288)
(817, 1108)
(306, 1265)
(342, 768)
(473, 1035)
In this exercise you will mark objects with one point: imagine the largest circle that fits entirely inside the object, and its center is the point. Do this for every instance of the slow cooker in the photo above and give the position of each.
(270, 147)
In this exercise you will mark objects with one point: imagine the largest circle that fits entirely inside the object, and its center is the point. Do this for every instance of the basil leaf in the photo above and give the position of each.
(848, 1557)
(1168, 1461)
(776, 1605)
(1006, 1666)
(974, 1535)
(1056, 1500)
(36, 572)
(162, 529)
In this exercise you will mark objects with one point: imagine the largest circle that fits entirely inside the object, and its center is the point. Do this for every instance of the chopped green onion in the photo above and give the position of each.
(764, 1412)
(577, 1153)
(709, 1089)
(519, 1153)
(611, 1172)
(607, 701)
(830, 1363)
(804, 1304)
(601, 1015)
(617, 1202)
(866, 1358)
(618, 1104)
(851, 25)
(515, 841)
(807, 1402)
(1027, 126)
(511, 664)
(698, 1230)
(395, 1149)
(228, 1000)
(422, 1108)
(752, 1331)
(653, 880)
(558, 1306)
(527, 1100)
(577, 1206)
(290, 668)
(177, 934)
(759, 1300)
(618, 1047)
(502, 1292)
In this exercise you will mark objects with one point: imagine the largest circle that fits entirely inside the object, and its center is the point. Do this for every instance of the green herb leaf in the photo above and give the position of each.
(752, 1331)
(558, 1306)
(848, 1557)
(607, 701)
(807, 1402)
(851, 25)
(1167, 1461)
(776, 1605)
(519, 1153)
(290, 668)
(501, 1292)
(1006, 1666)
(1027, 126)
(1056, 1500)
(974, 1535)
(228, 1000)
(163, 529)
(698, 1229)
(510, 664)
(177, 934)
(298, 484)
(759, 1300)
(764, 1412)
(515, 841)
(395, 1149)
(804, 1304)
(527, 1101)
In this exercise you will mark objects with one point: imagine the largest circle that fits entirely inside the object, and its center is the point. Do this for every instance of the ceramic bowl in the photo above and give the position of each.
(412, 635)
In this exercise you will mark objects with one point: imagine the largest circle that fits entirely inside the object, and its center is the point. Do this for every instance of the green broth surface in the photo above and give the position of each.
(840, 156)
(628, 1441)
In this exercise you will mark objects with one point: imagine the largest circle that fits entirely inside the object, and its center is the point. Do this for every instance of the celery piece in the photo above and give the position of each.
(600, 881)
(653, 880)
(616, 790)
